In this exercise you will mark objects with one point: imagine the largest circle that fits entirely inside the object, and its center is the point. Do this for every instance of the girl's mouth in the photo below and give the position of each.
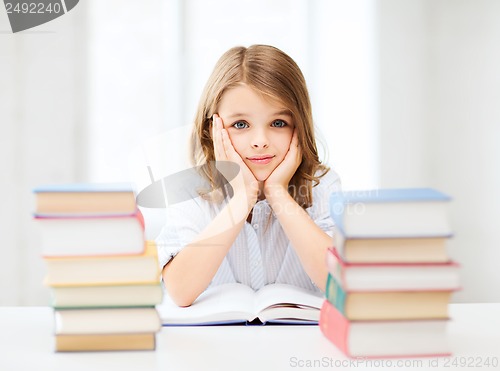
(261, 160)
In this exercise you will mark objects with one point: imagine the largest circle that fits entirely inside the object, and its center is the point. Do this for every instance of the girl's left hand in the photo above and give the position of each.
(280, 177)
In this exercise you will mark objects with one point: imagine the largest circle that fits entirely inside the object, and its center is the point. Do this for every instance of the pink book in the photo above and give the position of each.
(384, 339)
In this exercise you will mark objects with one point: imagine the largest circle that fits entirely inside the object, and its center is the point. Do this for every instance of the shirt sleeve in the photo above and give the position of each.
(320, 211)
(184, 221)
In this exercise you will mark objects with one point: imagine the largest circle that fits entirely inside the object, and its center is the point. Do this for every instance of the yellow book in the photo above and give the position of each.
(392, 250)
(104, 270)
(105, 342)
(387, 305)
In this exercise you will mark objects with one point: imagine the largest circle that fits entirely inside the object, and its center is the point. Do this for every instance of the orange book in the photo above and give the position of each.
(391, 250)
(387, 305)
(104, 270)
(85, 199)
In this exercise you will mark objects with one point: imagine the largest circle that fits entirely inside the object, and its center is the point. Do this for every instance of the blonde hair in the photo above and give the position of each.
(273, 73)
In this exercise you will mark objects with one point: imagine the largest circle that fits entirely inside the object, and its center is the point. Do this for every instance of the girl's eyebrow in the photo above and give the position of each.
(284, 112)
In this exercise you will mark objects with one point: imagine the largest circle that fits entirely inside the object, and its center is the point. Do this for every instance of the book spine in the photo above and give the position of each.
(136, 214)
(335, 294)
(335, 266)
(334, 326)
(104, 342)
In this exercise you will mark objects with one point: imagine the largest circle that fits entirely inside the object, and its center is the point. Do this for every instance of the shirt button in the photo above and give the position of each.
(256, 263)
(255, 226)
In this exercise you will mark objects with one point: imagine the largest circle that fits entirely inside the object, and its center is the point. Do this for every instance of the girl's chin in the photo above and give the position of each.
(261, 175)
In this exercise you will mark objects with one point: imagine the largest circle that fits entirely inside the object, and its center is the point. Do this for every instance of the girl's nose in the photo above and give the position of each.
(259, 140)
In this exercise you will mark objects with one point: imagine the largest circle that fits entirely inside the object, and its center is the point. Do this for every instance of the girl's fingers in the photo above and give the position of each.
(228, 147)
(295, 144)
(223, 147)
(295, 138)
(217, 139)
(299, 150)
(294, 152)
(214, 137)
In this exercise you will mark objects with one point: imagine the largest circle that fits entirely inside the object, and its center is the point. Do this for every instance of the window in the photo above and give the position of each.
(148, 65)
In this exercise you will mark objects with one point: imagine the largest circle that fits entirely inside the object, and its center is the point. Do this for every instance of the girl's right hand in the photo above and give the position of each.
(244, 183)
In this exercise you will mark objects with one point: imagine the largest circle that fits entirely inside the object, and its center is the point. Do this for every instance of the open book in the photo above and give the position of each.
(238, 303)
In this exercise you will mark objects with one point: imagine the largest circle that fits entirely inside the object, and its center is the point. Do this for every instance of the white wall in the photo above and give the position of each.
(464, 134)
(42, 111)
(403, 92)
(437, 95)
(126, 88)
(440, 120)
(343, 83)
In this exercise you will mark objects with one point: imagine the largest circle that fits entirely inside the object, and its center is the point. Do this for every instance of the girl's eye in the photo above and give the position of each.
(279, 124)
(240, 125)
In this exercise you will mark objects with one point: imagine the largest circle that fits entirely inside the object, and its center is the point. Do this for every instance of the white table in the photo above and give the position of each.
(27, 343)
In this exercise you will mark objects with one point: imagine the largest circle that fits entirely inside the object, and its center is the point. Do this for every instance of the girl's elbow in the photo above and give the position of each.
(182, 290)
(179, 296)
(183, 302)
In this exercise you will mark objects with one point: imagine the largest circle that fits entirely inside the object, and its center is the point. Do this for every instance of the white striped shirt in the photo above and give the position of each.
(261, 253)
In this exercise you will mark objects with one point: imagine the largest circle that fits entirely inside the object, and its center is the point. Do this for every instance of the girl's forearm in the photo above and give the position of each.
(188, 274)
(309, 241)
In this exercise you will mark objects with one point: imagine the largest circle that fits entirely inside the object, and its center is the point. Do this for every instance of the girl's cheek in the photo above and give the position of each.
(236, 141)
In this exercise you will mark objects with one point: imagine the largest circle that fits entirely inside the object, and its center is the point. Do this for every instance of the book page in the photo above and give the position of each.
(228, 303)
(287, 301)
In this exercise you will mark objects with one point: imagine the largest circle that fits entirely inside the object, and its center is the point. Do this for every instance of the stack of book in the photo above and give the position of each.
(390, 277)
(102, 274)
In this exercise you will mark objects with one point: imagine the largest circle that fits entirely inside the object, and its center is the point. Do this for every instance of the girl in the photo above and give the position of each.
(271, 224)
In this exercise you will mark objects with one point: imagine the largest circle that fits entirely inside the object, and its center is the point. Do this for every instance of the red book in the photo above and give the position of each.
(382, 339)
(393, 276)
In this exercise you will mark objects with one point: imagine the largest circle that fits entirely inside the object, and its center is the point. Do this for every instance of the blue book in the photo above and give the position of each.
(84, 187)
(404, 213)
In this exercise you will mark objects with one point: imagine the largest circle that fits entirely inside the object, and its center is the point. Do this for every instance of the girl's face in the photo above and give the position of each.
(260, 129)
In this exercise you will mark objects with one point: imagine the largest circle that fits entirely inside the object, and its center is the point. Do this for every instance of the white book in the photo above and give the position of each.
(238, 303)
(399, 338)
(393, 277)
(389, 213)
(91, 236)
